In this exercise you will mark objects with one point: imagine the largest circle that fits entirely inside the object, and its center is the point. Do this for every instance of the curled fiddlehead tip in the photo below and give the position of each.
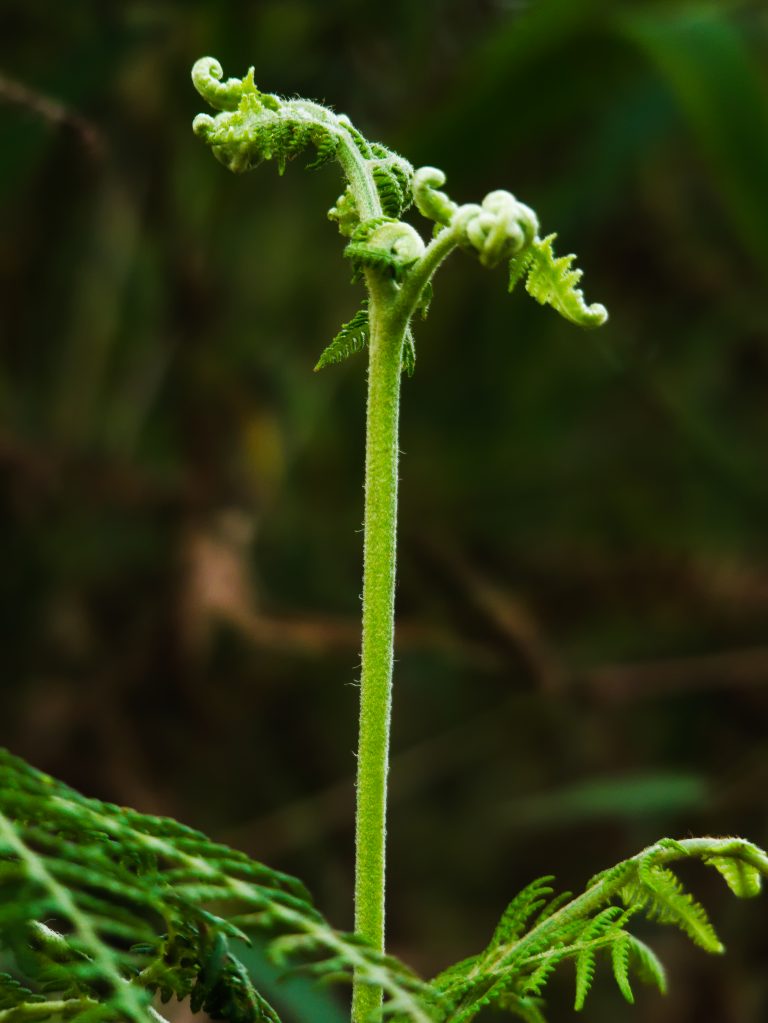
(430, 202)
(386, 245)
(207, 76)
(499, 228)
(253, 126)
(503, 228)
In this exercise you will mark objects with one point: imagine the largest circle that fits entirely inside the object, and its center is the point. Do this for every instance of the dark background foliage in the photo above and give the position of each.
(583, 654)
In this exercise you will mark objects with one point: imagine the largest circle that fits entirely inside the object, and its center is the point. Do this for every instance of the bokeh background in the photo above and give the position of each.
(583, 648)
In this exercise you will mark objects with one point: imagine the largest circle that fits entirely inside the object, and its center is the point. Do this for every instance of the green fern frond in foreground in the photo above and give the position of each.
(537, 932)
(101, 907)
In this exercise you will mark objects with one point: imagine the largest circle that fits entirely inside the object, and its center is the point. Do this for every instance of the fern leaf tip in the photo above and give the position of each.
(552, 281)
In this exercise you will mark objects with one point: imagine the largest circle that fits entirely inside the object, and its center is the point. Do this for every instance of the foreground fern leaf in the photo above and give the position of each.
(513, 969)
(101, 907)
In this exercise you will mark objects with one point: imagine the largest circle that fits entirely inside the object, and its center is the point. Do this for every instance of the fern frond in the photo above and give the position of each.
(590, 941)
(647, 964)
(518, 963)
(326, 151)
(521, 908)
(553, 905)
(585, 958)
(352, 338)
(393, 186)
(552, 281)
(102, 906)
(253, 126)
(620, 953)
(742, 878)
(525, 1008)
(534, 983)
(659, 891)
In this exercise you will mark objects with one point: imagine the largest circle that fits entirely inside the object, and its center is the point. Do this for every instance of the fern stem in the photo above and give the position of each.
(422, 272)
(380, 527)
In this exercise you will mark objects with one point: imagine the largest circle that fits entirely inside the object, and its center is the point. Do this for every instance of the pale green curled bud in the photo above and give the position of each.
(206, 77)
(386, 245)
(499, 228)
(431, 203)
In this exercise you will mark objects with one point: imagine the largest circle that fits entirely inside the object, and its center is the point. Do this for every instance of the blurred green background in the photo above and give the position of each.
(583, 648)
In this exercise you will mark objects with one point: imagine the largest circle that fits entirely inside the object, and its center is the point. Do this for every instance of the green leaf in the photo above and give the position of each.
(589, 943)
(527, 1009)
(664, 899)
(620, 953)
(646, 964)
(521, 908)
(351, 338)
(111, 906)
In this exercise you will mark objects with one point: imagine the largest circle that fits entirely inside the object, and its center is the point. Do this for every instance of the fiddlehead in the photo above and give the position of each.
(254, 126)
(501, 228)
(386, 245)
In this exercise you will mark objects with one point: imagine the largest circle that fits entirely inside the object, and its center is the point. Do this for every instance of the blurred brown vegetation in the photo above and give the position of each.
(583, 649)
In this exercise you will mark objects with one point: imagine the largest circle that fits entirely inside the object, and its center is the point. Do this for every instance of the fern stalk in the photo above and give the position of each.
(380, 529)
(390, 257)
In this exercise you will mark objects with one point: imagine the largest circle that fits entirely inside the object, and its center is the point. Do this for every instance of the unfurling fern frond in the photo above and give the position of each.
(253, 126)
(512, 971)
(552, 281)
(101, 907)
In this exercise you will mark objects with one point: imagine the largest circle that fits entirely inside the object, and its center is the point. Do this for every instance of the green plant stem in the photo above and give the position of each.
(380, 526)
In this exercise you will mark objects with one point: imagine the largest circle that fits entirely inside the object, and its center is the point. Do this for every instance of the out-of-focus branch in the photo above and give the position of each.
(54, 112)
(729, 669)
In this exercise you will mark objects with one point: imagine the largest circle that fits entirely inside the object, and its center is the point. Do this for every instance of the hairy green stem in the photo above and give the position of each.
(421, 272)
(384, 372)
